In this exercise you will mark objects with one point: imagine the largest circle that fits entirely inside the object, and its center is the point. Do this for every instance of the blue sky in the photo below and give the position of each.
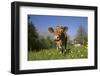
(42, 22)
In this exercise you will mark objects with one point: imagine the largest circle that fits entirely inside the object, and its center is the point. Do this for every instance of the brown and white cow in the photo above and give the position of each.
(60, 37)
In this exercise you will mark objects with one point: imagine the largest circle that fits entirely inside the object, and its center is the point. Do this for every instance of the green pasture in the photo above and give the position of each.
(72, 52)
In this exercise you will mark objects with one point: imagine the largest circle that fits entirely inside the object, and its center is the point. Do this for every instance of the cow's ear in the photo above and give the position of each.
(50, 29)
(65, 29)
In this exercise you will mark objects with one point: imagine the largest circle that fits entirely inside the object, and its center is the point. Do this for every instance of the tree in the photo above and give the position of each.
(81, 36)
(36, 42)
(32, 36)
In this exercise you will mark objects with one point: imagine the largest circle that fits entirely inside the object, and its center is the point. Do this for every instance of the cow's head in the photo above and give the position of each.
(59, 35)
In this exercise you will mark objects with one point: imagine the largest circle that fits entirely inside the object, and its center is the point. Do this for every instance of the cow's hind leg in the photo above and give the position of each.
(65, 46)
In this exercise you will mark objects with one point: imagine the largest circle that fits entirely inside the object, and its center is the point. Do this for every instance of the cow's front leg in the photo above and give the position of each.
(57, 47)
(61, 48)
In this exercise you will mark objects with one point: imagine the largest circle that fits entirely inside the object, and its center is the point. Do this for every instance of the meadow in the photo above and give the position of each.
(72, 52)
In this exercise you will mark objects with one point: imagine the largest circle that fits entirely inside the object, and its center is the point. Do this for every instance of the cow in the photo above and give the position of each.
(60, 37)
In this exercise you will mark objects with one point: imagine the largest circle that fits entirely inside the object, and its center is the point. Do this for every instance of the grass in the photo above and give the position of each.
(51, 54)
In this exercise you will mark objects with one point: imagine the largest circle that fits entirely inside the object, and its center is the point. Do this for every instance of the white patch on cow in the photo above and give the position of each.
(55, 37)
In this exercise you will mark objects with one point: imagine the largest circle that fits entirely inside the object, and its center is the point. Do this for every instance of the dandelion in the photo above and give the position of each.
(71, 51)
(78, 51)
(72, 56)
(82, 55)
